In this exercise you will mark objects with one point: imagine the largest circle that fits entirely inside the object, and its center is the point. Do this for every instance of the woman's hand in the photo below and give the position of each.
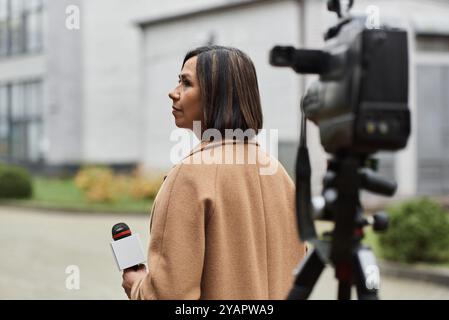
(132, 275)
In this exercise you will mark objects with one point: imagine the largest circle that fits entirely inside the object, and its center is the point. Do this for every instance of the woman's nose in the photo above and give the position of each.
(173, 95)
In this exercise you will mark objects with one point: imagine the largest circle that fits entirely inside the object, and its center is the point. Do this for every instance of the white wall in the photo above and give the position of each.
(62, 85)
(112, 109)
(22, 67)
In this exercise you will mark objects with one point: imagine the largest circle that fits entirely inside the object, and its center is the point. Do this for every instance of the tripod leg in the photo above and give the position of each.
(308, 273)
(343, 272)
(367, 274)
(344, 291)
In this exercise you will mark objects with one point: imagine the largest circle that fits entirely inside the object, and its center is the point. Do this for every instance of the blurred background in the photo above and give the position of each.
(85, 127)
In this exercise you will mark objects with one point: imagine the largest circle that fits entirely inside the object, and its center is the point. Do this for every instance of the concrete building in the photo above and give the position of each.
(69, 82)
(97, 92)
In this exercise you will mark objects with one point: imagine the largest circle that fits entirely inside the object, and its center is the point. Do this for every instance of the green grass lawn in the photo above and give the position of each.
(371, 239)
(63, 194)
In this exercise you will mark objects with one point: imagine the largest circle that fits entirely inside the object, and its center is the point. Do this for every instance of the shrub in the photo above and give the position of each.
(97, 183)
(145, 186)
(418, 231)
(15, 182)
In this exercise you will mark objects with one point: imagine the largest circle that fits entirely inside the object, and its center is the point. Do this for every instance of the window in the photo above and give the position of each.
(4, 123)
(33, 114)
(33, 25)
(21, 121)
(432, 43)
(16, 27)
(3, 27)
(18, 122)
(433, 129)
(21, 26)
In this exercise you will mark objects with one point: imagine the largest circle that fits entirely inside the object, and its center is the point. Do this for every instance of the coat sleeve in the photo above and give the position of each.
(177, 244)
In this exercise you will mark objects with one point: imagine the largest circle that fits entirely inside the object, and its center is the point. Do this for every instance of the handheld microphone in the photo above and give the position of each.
(120, 231)
(126, 247)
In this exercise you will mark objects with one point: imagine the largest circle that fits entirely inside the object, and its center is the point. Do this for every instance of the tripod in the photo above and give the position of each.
(355, 264)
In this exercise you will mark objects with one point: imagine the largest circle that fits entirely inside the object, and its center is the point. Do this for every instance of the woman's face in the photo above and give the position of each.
(186, 106)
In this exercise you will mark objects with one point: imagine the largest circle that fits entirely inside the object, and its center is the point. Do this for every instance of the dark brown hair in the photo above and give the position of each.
(229, 89)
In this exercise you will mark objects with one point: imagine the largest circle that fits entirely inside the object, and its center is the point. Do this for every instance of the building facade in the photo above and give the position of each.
(69, 82)
(98, 94)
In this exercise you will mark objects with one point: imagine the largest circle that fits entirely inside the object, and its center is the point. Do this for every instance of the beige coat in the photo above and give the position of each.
(222, 231)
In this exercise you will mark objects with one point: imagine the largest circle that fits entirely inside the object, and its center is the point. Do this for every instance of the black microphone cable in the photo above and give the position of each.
(306, 227)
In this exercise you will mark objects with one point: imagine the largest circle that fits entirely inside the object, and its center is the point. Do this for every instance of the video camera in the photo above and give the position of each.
(360, 102)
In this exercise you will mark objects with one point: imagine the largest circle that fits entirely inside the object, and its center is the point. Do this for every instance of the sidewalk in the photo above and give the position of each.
(38, 246)
(418, 272)
(391, 288)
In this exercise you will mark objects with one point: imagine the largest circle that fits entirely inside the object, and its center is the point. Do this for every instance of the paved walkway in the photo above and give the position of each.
(37, 247)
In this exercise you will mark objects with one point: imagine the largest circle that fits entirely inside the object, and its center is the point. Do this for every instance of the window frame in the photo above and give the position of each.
(24, 17)
(24, 121)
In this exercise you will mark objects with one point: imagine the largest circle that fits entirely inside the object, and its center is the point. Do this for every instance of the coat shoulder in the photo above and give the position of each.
(198, 178)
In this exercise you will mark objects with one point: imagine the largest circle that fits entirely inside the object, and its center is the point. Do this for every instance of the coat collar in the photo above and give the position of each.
(205, 145)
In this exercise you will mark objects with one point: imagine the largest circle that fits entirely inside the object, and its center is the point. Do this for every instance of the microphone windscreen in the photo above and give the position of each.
(120, 231)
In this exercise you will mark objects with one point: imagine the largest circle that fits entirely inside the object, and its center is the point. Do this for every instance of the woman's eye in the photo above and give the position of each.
(185, 82)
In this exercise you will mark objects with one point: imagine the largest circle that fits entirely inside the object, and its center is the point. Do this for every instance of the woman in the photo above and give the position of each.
(220, 230)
